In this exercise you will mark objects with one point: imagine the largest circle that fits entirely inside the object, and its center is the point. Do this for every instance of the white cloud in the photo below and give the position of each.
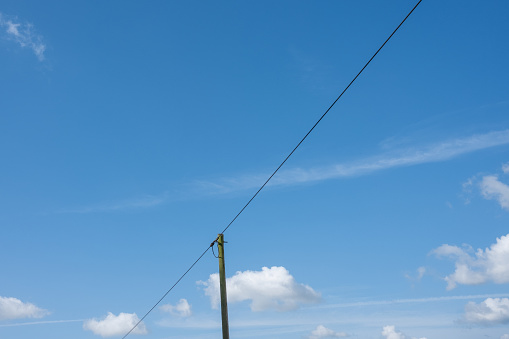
(489, 312)
(324, 332)
(488, 265)
(505, 336)
(270, 288)
(12, 308)
(23, 34)
(420, 274)
(421, 271)
(113, 325)
(492, 188)
(467, 189)
(181, 309)
(390, 332)
(505, 168)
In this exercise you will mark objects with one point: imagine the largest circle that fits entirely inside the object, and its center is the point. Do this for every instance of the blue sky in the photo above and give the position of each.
(131, 133)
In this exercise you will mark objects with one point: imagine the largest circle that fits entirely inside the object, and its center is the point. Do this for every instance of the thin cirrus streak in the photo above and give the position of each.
(415, 300)
(42, 322)
(432, 153)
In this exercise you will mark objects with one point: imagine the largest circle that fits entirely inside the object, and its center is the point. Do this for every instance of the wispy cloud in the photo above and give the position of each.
(303, 321)
(436, 152)
(413, 300)
(23, 34)
(41, 323)
(421, 271)
(181, 309)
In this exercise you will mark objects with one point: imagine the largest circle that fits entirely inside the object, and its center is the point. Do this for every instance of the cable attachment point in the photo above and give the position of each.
(212, 246)
(216, 242)
(213, 252)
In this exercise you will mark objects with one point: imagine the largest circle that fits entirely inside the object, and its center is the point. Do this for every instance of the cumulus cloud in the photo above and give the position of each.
(12, 308)
(486, 265)
(23, 34)
(493, 189)
(489, 312)
(113, 325)
(324, 332)
(270, 288)
(181, 309)
(390, 332)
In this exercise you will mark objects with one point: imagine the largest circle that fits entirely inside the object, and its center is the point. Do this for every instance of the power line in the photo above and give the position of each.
(323, 115)
(171, 288)
(277, 169)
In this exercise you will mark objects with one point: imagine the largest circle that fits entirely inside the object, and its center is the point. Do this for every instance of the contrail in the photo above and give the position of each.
(416, 300)
(42, 322)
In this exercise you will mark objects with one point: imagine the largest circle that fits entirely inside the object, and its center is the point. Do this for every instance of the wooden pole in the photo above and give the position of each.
(222, 287)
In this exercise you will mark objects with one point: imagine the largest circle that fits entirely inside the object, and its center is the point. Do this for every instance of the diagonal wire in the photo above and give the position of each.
(323, 115)
(277, 169)
(171, 288)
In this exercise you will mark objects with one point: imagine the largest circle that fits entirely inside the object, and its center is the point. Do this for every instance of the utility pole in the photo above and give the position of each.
(222, 287)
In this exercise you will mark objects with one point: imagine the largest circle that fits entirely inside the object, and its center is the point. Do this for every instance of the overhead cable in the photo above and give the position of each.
(323, 115)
